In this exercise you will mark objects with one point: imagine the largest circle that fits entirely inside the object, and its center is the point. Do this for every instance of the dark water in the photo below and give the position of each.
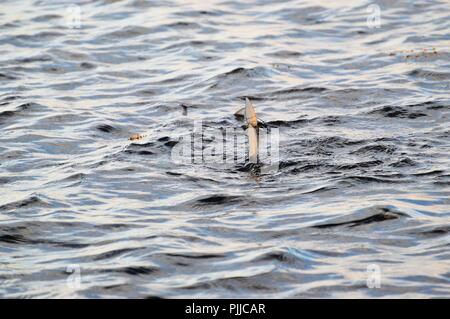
(363, 182)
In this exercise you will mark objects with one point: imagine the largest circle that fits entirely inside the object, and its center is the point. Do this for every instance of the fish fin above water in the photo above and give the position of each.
(252, 144)
(250, 114)
(240, 113)
(252, 123)
(252, 131)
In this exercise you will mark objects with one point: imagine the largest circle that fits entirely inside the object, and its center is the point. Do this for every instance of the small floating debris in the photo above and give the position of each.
(135, 137)
(410, 54)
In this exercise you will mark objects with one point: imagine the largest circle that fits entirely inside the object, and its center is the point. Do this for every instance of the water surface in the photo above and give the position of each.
(364, 171)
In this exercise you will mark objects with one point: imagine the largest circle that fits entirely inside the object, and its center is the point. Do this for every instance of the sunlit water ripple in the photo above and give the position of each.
(363, 181)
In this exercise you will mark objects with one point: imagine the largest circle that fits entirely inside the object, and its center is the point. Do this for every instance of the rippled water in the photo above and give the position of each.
(363, 183)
